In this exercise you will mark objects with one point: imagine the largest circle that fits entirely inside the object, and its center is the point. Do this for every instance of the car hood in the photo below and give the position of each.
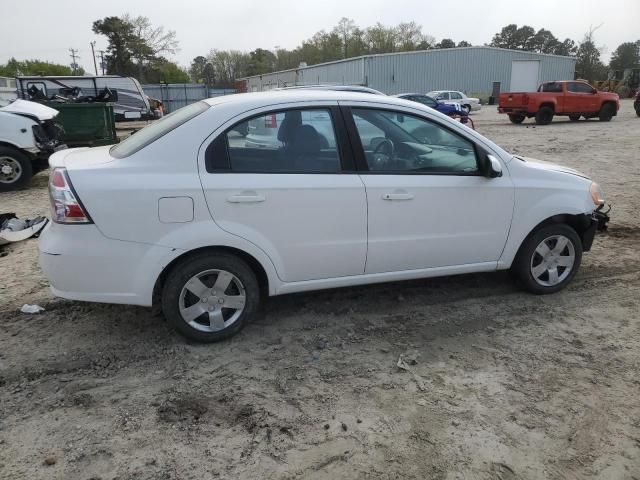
(31, 109)
(548, 166)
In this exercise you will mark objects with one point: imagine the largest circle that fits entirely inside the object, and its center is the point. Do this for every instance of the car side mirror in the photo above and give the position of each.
(494, 167)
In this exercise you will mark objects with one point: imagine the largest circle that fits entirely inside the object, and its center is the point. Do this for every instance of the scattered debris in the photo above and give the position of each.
(343, 426)
(50, 460)
(26, 308)
(12, 229)
(404, 363)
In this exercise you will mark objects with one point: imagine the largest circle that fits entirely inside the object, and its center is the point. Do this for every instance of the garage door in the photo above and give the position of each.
(524, 75)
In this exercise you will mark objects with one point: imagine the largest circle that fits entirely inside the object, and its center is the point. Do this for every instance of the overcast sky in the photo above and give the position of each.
(46, 29)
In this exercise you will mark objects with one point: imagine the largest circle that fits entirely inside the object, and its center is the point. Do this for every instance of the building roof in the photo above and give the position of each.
(430, 51)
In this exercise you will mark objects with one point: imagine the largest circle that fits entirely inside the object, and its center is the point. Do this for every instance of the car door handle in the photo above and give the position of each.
(398, 196)
(245, 198)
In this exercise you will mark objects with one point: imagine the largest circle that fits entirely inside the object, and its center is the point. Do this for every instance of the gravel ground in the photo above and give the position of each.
(499, 384)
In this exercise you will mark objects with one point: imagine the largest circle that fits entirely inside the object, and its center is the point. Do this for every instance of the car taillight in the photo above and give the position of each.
(65, 204)
(270, 121)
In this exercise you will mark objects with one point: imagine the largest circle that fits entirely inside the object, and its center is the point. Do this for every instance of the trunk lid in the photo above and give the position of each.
(83, 157)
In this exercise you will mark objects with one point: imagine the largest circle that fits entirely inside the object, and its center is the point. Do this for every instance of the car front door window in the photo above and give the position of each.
(402, 143)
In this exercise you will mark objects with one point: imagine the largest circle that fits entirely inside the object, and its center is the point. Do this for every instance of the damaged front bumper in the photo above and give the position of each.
(599, 222)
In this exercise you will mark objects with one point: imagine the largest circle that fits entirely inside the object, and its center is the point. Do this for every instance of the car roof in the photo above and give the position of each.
(274, 97)
(345, 88)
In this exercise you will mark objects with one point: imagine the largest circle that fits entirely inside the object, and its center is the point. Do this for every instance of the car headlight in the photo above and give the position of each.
(597, 195)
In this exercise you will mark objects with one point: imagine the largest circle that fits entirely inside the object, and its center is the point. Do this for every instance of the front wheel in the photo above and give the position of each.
(515, 118)
(548, 259)
(210, 297)
(544, 116)
(606, 112)
(15, 169)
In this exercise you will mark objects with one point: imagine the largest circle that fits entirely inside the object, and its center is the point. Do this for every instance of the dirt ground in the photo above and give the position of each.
(500, 384)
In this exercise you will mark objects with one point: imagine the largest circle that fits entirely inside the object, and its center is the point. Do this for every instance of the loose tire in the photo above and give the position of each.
(574, 118)
(606, 112)
(516, 118)
(210, 297)
(548, 259)
(544, 116)
(15, 169)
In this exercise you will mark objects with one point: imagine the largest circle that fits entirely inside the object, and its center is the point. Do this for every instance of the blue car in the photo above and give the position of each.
(450, 110)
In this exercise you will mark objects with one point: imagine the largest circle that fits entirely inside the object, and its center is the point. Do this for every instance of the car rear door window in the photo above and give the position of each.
(456, 96)
(291, 141)
(579, 87)
(394, 142)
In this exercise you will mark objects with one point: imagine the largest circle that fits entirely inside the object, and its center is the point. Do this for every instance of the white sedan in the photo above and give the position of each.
(188, 214)
(453, 96)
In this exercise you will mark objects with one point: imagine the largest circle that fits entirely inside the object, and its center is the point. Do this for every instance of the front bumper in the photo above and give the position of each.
(599, 222)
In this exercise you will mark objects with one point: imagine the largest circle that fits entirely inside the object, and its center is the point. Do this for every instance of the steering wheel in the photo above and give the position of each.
(386, 147)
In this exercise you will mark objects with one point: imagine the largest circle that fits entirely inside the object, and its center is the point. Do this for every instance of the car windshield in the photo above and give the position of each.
(151, 133)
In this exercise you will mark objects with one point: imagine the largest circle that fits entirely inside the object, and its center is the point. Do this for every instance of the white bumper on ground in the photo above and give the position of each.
(82, 264)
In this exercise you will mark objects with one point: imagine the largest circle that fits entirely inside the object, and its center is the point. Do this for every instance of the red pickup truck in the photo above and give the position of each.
(574, 99)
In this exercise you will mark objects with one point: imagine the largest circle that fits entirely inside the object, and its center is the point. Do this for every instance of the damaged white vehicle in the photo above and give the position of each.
(29, 134)
(191, 215)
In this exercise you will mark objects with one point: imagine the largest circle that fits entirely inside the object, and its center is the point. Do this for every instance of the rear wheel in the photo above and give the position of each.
(544, 116)
(15, 169)
(606, 112)
(574, 118)
(548, 259)
(210, 297)
(515, 118)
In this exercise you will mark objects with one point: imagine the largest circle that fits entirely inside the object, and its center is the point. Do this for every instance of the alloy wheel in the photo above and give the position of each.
(212, 300)
(552, 260)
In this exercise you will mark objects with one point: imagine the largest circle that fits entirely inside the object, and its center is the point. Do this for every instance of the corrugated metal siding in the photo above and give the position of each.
(465, 69)
(348, 72)
(472, 69)
(177, 95)
(269, 81)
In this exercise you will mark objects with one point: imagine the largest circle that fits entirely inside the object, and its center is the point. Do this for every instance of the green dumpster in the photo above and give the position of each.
(86, 124)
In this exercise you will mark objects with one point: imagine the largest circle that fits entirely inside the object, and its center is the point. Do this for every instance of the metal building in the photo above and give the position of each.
(468, 69)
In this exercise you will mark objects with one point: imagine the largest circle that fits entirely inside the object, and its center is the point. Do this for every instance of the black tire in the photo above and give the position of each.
(184, 271)
(574, 118)
(636, 105)
(517, 119)
(18, 167)
(606, 112)
(544, 116)
(523, 264)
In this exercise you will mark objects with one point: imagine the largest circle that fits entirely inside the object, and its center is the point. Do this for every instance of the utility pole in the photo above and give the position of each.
(74, 55)
(93, 55)
(102, 65)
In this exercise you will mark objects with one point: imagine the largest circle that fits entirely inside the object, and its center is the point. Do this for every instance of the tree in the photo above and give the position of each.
(627, 55)
(120, 37)
(135, 39)
(162, 70)
(588, 63)
(228, 65)
(464, 43)
(380, 39)
(445, 43)
(35, 67)
(261, 61)
(506, 38)
(344, 30)
(567, 48)
(408, 36)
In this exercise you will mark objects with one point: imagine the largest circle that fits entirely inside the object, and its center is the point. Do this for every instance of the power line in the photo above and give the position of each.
(93, 55)
(102, 64)
(74, 55)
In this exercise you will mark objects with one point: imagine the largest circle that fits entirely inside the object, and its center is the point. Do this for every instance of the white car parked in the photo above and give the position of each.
(452, 97)
(189, 214)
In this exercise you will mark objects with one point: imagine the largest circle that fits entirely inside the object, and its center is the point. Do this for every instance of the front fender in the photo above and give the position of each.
(529, 213)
